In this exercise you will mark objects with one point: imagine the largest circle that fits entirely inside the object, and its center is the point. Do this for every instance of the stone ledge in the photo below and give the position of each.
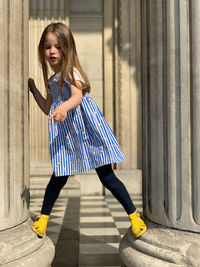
(160, 246)
(20, 246)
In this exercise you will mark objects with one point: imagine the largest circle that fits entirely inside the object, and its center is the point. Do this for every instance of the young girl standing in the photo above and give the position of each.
(80, 139)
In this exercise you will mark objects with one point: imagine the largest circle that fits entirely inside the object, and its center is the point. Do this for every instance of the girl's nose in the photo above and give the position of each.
(52, 50)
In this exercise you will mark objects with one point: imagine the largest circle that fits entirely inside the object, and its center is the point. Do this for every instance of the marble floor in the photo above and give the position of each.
(86, 230)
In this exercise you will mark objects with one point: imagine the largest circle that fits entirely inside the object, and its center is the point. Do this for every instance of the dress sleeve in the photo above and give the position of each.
(77, 75)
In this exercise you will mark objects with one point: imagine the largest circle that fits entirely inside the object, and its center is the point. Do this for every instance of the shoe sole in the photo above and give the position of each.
(141, 232)
(37, 232)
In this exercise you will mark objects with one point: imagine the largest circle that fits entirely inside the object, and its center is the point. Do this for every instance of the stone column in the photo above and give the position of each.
(126, 92)
(41, 13)
(19, 246)
(122, 85)
(171, 134)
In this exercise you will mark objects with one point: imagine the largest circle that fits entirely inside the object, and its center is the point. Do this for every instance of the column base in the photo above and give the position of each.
(160, 246)
(20, 246)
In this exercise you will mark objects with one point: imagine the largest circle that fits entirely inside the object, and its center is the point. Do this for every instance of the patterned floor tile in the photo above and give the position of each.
(124, 224)
(92, 210)
(96, 219)
(100, 239)
(109, 248)
(99, 231)
(98, 225)
(99, 260)
(119, 214)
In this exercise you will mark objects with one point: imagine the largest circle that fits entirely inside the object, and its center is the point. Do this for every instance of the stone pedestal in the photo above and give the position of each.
(161, 246)
(19, 246)
(171, 104)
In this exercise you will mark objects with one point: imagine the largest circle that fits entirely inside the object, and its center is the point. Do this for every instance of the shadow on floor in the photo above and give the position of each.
(67, 248)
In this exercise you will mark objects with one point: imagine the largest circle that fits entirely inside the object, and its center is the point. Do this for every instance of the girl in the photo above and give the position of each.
(80, 139)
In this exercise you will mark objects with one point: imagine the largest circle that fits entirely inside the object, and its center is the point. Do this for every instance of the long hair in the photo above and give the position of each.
(70, 58)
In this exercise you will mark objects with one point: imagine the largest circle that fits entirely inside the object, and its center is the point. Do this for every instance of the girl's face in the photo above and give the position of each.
(53, 52)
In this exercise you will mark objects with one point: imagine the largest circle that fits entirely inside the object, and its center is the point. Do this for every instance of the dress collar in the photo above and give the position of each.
(55, 77)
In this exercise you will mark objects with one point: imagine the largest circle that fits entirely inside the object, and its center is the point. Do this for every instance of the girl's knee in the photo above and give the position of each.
(104, 171)
(58, 182)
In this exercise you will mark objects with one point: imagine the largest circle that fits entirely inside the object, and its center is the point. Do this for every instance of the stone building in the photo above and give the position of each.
(142, 59)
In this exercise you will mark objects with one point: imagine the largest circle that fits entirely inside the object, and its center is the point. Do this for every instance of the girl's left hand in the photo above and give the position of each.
(59, 114)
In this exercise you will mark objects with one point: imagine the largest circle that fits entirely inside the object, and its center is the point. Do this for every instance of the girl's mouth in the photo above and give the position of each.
(52, 58)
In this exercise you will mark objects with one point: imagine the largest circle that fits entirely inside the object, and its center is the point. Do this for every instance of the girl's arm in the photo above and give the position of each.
(43, 103)
(60, 113)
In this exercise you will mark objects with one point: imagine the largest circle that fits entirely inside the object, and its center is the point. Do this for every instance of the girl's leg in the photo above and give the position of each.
(117, 188)
(52, 192)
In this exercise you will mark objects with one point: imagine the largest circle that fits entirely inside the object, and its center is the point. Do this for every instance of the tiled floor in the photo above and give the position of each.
(99, 236)
(86, 230)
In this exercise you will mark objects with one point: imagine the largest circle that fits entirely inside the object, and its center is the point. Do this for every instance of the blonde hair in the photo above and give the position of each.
(70, 58)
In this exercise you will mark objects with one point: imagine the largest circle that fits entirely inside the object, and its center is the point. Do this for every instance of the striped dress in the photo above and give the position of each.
(84, 140)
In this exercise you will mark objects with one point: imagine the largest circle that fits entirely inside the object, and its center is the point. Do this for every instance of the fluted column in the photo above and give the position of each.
(14, 117)
(18, 244)
(195, 108)
(41, 13)
(171, 105)
(171, 136)
(127, 81)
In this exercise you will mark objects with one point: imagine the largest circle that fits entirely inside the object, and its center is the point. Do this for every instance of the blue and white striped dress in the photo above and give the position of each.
(84, 140)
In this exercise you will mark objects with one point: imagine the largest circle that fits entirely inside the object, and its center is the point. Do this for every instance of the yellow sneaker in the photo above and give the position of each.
(40, 225)
(137, 224)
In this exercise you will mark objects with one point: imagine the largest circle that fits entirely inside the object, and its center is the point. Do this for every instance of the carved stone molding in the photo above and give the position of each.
(160, 246)
(21, 247)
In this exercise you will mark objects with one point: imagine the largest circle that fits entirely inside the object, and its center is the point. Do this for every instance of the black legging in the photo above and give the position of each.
(106, 176)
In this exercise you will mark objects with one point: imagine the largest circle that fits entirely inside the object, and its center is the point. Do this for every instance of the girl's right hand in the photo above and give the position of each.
(31, 85)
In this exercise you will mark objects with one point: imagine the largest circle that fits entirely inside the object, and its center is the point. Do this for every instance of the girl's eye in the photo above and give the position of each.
(49, 47)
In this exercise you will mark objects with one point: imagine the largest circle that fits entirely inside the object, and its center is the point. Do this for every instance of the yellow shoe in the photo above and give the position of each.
(137, 224)
(40, 225)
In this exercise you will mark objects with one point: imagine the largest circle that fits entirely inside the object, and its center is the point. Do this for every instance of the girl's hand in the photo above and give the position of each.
(59, 114)
(31, 85)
